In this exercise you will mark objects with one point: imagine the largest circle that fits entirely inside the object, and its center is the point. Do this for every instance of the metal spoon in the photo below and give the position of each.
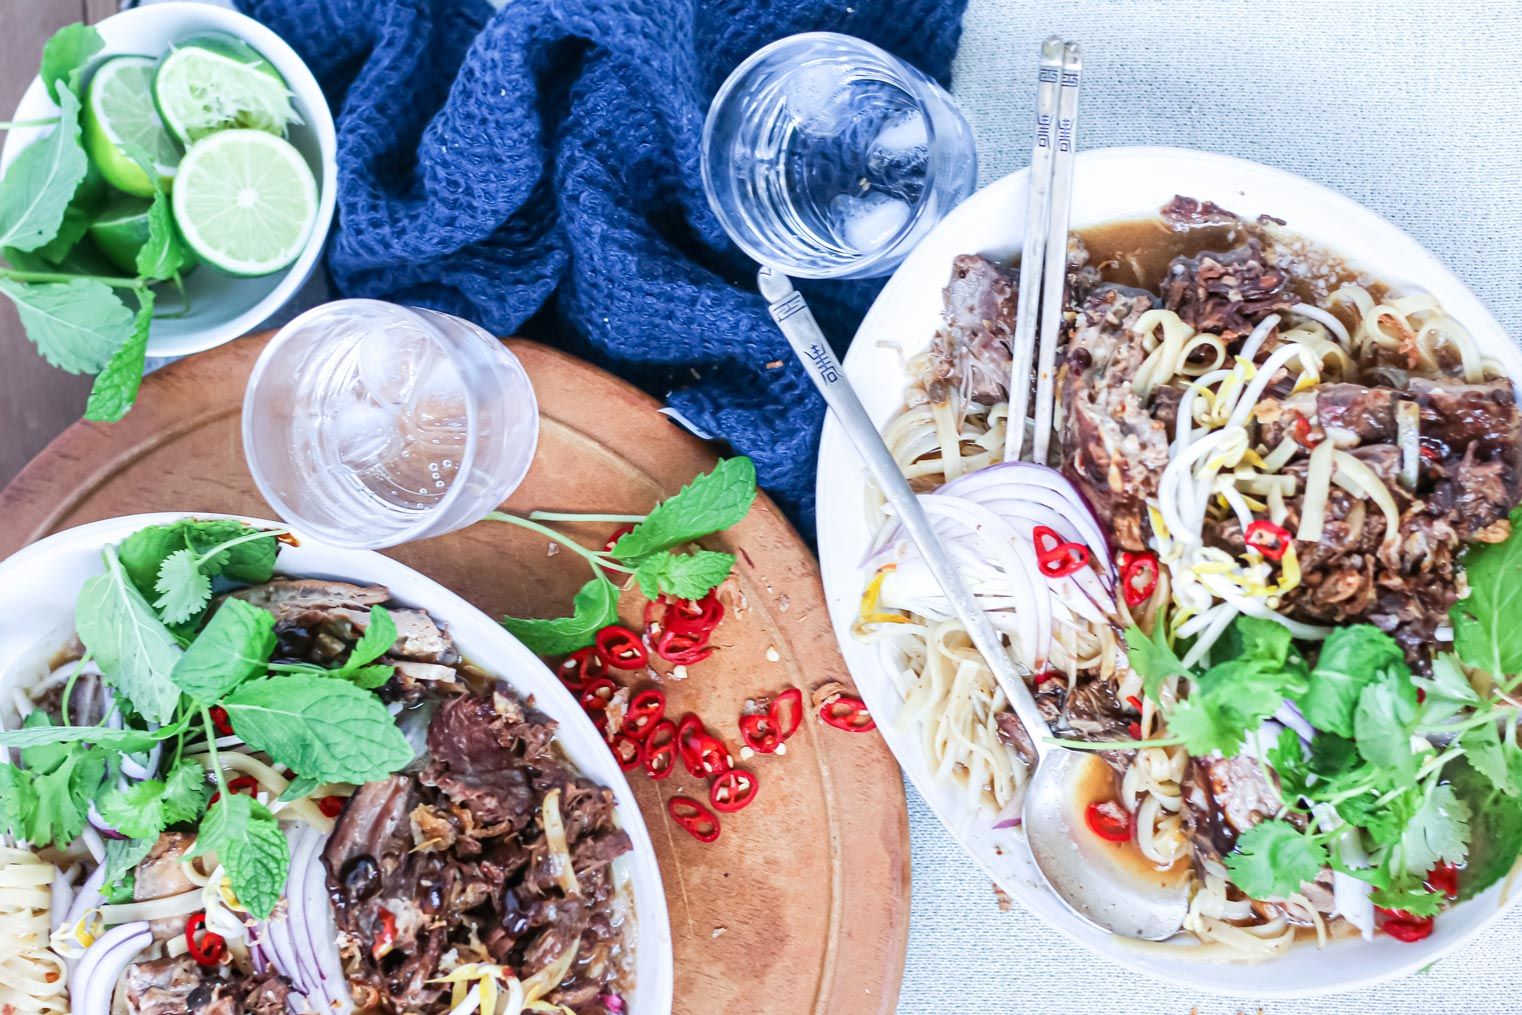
(1097, 881)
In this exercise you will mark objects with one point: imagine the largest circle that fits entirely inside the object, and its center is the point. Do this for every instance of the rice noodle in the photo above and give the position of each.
(33, 978)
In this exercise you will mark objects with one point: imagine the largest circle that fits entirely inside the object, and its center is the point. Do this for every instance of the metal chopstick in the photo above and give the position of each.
(1037, 206)
(1054, 274)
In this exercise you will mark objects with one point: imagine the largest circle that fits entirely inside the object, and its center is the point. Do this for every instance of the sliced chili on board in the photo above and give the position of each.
(646, 708)
(597, 693)
(786, 712)
(695, 819)
(627, 750)
(733, 791)
(847, 713)
(679, 647)
(658, 752)
(618, 533)
(206, 947)
(621, 648)
(759, 733)
(580, 667)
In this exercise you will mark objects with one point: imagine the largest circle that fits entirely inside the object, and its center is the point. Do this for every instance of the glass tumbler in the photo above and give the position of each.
(826, 157)
(368, 424)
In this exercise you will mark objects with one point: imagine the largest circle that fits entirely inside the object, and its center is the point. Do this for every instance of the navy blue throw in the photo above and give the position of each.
(535, 169)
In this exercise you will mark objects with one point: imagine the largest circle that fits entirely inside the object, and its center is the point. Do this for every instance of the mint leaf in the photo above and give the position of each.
(326, 729)
(1151, 657)
(595, 607)
(300, 786)
(1438, 831)
(134, 649)
(76, 325)
(116, 386)
(686, 576)
(64, 57)
(1495, 830)
(130, 741)
(143, 553)
(1383, 723)
(1486, 634)
(235, 646)
(165, 254)
(379, 636)
(41, 182)
(1411, 898)
(1350, 658)
(368, 677)
(710, 503)
(247, 840)
(1273, 859)
(121, 856)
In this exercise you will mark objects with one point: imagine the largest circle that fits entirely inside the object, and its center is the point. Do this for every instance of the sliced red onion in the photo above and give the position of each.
(1292, 717)
(1041, 485)
(612, 1002)
(94, 980)
(100, 825)
(302, 944)
(1008, 823)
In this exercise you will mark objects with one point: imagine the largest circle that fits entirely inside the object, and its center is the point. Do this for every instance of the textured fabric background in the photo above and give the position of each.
(535, 169)
(1411, 107)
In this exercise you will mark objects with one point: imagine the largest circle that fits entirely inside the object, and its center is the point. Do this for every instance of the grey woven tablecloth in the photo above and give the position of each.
(1411, 107)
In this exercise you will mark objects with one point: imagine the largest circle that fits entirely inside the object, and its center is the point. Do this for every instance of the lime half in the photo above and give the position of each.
(122, 230)
(119, 117)
(215, 82)
(245, 201)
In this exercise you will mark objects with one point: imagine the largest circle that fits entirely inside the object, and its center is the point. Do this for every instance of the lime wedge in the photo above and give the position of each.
(121, 230)
(245, 201)
(120, 118)
(213, 82)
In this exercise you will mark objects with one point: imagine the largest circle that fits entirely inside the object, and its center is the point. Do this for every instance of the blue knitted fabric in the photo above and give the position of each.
(535, 169)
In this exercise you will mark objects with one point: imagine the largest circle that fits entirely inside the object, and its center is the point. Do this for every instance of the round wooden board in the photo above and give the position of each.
(802, 905)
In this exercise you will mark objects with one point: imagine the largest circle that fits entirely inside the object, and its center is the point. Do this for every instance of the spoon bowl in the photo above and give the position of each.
(1110, 884)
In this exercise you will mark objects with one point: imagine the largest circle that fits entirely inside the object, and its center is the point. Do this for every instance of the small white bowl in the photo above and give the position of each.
(221, 307)
(40, 585)
(1115, 184)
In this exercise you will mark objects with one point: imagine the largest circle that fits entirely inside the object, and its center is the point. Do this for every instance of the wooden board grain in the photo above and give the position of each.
(36, 400)
(802, 905)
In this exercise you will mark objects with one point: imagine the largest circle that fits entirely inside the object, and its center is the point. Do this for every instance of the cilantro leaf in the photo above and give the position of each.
(18, 800)
(1258, 640)
(184, 576)
(1151, 656)
(595, 607)
(1231, 699)
(135, 651)
(64, 57)
(41, 182)
(183, 588)
(144, 809)
(1205, 726)
(63, 797)
(686, 575)
(1273, 859)
(1332, 755)
(76, 325)
(1350, 658)
(1498, 762)
(1288, 760)
(117, 384)
(1438, 831)
(1384, 720)
(1495, 829)
(710, 503)
(1486, 634)
(247, 840)
(185, 793)
(1412, 898)
(235, 646)
(326, 729)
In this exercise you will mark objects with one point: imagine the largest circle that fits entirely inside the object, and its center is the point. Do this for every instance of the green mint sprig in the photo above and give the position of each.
(712, 502)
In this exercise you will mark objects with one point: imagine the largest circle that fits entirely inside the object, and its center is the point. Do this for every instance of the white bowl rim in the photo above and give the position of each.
(511, 661)
(310, 101)
(841, 480)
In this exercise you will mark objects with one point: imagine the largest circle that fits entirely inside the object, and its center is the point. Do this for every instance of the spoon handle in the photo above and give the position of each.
(797, 322)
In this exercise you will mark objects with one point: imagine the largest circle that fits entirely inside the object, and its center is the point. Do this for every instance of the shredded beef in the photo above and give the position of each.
(971, 353)
(1226, 293)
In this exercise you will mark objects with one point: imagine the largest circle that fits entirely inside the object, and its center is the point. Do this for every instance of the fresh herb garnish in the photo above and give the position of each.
(247, 841)
(325, 729)
(710, 503)
(1486, 631)
(134, 649)
(146, 808)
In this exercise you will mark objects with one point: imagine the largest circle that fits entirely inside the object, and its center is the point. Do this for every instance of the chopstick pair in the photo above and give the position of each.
(1043, 258)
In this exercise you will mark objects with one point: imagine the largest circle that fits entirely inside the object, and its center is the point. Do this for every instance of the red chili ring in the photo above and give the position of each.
(733, 791)
(595, 696)
(681, 648)
(848, 713)
(760, 734)
(1108, 820)
(786, 712)
(1056, 557)
(580, 667)
(1277, 543)
(1142, 566)
(698, 821)
(621, 648)
(206, 947)
(646, 709)
(658, 752)
(626, 749)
